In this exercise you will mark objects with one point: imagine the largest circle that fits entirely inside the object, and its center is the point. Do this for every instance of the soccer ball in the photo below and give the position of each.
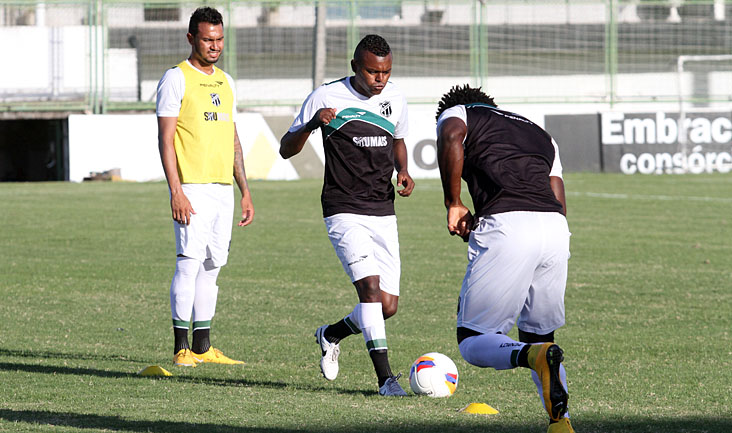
(433, 374)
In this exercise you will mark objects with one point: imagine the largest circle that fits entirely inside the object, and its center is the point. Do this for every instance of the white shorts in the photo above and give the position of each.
(209, 233)
(367, 246)
(517, 269)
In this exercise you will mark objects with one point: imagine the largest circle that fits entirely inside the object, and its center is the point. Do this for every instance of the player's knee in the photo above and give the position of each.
(530, 337)
(389, 309)
(465, 345)
(186, 267)
(370, 295)
(468, 353)
(368, 289)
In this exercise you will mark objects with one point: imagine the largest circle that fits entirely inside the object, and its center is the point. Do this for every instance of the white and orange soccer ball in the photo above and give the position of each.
(433, 374)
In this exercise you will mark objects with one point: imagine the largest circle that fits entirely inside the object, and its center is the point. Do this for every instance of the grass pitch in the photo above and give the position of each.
(85, 271)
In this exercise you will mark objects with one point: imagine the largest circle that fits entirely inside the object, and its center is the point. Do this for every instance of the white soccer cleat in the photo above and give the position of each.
(329, 352)
(391, 387)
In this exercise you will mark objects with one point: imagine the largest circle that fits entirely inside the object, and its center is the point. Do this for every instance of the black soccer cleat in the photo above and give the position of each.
(545, 360)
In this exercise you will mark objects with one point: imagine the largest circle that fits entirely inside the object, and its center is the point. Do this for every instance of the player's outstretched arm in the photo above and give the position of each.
(450, 160)
(293, 141)
(400, 164)
(240, 175)
(180, 207)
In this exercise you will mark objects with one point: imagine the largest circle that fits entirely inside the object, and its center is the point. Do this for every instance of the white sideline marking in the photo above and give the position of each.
(437, 187)
(650, 197)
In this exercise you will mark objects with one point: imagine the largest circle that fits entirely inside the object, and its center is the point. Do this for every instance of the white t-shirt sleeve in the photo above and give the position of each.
(557, 164)
(401, 129)
(314, 102)
(455, 111)
(232, 84)
(171, 89)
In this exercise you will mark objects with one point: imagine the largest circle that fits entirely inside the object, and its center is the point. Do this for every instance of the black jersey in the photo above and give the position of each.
(507, 162)
(358, 146)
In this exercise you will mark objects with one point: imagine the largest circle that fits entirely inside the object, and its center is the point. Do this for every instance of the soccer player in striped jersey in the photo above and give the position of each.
(518, 240)
(363, 121)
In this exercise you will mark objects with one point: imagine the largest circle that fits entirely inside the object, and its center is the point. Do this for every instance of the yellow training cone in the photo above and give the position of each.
(154, 370)
(479, 408)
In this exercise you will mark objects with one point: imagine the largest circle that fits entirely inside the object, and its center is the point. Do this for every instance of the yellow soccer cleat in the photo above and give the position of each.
(545, 359)
(561, 426)
(215, 356)
(184, 358)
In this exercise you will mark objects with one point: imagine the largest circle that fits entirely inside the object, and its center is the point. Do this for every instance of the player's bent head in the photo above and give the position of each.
(461, 95)
(373, 44)
(204, 15)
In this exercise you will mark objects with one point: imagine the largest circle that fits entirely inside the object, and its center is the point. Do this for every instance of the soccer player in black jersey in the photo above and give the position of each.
(363, 122)
(518, 239)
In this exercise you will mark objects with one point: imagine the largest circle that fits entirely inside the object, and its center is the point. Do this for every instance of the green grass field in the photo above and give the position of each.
(85, 271)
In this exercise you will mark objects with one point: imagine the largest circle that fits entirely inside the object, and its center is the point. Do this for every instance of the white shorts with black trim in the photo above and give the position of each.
(209, 233)
(367, 246)
(517, 269)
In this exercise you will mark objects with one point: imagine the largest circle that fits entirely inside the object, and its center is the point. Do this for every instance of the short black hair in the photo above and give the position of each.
(460, 95)
(204, 15)
(374, 44)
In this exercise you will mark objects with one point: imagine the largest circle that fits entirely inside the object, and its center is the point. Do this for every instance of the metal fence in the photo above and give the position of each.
(108, 55)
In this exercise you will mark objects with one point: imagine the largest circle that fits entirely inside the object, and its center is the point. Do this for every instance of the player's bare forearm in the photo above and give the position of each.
(240, 176)
(180, 207)
(400, 165)
(450, 159)
(166, 147)
(557, 185)
(293, 141)
(400, 155)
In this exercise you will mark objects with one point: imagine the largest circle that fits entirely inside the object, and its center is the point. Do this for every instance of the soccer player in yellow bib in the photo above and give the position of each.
(201, 153)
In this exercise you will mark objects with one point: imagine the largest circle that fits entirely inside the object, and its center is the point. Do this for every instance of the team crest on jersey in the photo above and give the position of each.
(385, 108)
(215, 99)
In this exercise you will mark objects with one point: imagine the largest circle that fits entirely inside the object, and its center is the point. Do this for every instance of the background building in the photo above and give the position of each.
(77, 90)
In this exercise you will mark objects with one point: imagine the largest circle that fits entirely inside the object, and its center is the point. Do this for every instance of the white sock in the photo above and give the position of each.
(372, 325)
(204, 303)
(491, 350)
(353, 319)
(182, 290)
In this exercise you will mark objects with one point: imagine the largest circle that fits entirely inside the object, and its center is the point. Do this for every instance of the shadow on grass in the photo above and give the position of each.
(84, 371)
(625, 424)
(115, 423)
(64, 355)
(53, 420)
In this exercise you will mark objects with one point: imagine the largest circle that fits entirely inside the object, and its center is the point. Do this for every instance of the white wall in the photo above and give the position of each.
(98, 143)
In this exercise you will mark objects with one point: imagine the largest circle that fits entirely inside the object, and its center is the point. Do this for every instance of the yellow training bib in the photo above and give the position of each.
(204, 136)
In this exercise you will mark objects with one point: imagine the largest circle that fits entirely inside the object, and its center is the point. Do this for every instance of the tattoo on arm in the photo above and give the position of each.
(239, 172)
